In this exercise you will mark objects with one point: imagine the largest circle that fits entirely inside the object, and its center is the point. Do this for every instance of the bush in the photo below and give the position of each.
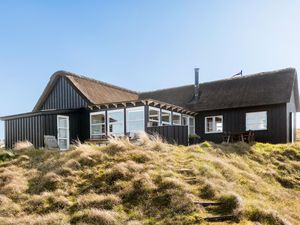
(5, 155)
(97, 201)
(207, 191)
(95, 216)
(230, 203)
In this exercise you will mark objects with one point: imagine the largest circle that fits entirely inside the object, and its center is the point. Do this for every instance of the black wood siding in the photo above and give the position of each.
(172, 134)
(34, 127)
(234, 120)
(64, 96)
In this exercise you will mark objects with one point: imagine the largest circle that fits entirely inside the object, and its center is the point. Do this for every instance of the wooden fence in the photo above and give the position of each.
(172, 134)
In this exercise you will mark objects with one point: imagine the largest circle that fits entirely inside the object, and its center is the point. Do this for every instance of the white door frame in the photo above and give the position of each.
(68, 131)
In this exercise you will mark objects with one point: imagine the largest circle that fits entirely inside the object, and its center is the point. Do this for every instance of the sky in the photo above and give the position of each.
(140, 45)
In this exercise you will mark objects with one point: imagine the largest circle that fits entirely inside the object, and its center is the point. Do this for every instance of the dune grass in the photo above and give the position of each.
(150, 182)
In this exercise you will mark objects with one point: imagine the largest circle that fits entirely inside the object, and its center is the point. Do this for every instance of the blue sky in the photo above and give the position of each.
(140, 45)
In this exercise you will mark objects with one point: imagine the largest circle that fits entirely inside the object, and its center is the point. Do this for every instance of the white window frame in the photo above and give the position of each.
(66, 128)
(180, 118)
(135, 109)
(163, 123)
(188, 123)
(194, 126)
(97, 124)
(266, 125)
(214, 124)
(109, 123)
(155, 109)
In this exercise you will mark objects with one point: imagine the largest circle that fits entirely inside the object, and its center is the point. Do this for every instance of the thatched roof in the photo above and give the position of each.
(264, 88)
(93, 91)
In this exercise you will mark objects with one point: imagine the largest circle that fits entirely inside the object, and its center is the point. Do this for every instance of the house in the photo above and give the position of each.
(76, 107)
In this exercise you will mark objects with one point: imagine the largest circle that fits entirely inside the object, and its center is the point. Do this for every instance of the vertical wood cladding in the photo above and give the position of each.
(234, 120)
(64, 96)
(172, 134)
(34, 127)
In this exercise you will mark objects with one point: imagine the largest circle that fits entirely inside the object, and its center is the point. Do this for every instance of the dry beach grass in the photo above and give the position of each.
(151, 182)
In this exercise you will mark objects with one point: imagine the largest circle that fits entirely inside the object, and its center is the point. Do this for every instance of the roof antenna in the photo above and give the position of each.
(238, 74)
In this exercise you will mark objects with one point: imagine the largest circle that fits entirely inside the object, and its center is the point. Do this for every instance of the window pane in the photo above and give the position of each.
(153, 114)
(192, 121)
(98, 129)
(184, 121)
(135, 122)
(63, 143)
(191, 130)
(153, 124)
(63, 133)
(166, 117)
(115, 117)
(135, 115)
(100, 118)
(209, 124)
(176, 119)
(116, 128)
(256, 121)
(62, 122)
(219, 123)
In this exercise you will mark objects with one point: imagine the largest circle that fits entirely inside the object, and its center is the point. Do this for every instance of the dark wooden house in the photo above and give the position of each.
(76, 107)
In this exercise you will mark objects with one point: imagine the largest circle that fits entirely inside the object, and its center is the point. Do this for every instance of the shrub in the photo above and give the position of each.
(207, 191)
(5, 155)
(230, 203)
(23, 145)
(95, 216)
(97, 201)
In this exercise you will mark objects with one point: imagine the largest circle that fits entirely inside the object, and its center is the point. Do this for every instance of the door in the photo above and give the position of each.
(291, 127)
(63, 133)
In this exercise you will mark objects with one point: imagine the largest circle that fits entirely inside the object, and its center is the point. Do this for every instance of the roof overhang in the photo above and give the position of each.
(148, 102)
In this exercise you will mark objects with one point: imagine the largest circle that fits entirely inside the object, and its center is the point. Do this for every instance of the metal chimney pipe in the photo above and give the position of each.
(196, 94)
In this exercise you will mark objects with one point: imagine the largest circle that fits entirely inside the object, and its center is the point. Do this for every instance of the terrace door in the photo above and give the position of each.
(63, 133)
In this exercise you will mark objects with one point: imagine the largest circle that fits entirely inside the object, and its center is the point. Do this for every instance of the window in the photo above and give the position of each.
(190, 122)
(213, 124)
(191, 125)
(165, 117)
(63, 136)
(256, 121)
(115, 122)
(97, 121)
(154, 117)
(135, 120)
(176, 118)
